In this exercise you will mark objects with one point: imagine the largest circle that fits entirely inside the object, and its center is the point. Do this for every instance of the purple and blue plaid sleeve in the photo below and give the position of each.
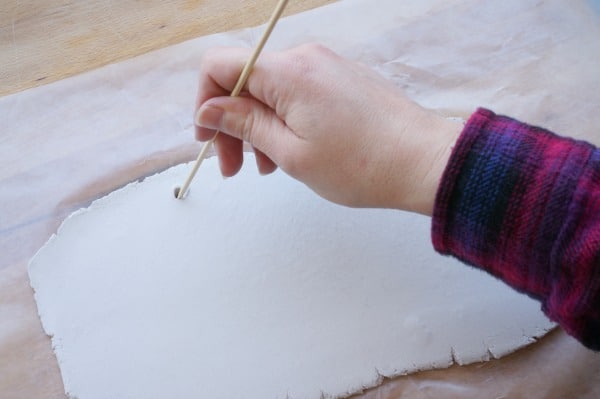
(524, 205)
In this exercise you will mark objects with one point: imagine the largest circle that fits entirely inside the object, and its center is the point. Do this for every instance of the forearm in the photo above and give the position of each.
(524, 205)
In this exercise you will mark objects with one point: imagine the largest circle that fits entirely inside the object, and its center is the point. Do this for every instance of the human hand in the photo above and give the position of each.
(333, 124)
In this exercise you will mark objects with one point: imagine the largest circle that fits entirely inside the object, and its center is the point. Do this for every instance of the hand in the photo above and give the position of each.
(333, 124)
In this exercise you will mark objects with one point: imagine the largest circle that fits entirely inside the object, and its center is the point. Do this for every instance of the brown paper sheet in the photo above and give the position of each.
(65, 144)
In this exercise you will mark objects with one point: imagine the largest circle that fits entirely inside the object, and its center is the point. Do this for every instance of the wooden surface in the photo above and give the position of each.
(45, 40)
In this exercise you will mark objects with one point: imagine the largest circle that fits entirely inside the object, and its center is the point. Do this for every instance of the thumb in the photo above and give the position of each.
(246, 119)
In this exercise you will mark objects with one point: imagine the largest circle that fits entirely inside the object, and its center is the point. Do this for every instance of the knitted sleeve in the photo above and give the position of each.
(524, 205)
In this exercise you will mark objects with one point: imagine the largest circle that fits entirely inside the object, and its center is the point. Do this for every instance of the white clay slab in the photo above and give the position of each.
(254, 287)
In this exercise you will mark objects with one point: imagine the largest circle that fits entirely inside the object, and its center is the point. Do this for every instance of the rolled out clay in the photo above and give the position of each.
(254, 287)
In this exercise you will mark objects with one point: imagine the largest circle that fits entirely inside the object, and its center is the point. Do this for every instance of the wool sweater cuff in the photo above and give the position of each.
(522, 204)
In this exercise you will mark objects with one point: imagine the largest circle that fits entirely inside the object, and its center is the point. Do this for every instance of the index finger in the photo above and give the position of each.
(219, 72)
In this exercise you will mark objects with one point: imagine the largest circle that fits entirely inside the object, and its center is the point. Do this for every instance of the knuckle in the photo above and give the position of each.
(213, 59)
(306, 60)
(313, 48)
(301, 60)
(209, 59)
(247, 127)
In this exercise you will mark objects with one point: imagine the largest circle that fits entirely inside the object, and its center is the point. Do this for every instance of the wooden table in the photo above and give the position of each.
(45, 40)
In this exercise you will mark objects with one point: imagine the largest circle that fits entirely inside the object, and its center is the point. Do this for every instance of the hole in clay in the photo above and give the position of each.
(177, 191)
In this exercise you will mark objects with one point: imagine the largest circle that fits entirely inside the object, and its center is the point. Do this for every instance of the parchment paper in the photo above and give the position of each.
(67, 143)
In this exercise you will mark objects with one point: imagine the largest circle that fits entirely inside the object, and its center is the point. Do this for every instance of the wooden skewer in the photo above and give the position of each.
(236, 91)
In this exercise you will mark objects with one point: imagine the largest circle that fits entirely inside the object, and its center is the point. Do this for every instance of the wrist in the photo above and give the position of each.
(438, 138)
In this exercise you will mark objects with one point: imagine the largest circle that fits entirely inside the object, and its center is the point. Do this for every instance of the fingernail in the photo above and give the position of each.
(209, 116)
